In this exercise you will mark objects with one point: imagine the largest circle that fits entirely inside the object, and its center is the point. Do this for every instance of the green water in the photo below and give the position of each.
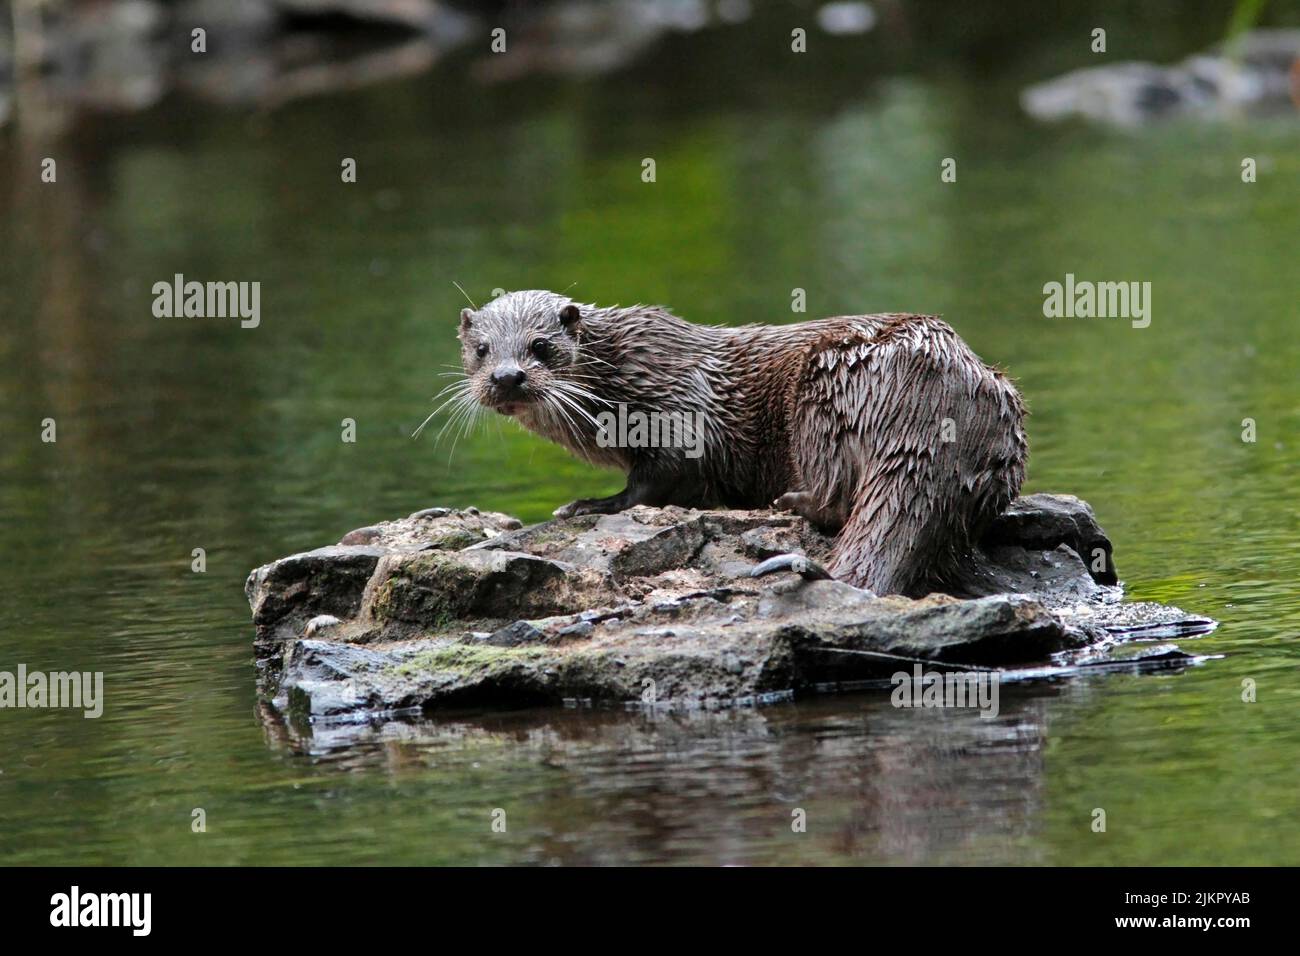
(175, 434)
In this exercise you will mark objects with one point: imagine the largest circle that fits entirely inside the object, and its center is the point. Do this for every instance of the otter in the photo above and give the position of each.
(885, 430)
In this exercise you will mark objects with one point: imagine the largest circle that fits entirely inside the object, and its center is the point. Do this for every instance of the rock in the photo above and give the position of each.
(846, 18)
(418, 15)
(360, 536)
(435, 529)
(225, 20)
(514, 635)
(1057, 576)
(128, 54)
(1253, 72)
(644, 542)
(320, 622)
(435, 591)
(580, 38)
(286, 594)
(655, 606)
(430, 513)
(1046, 521)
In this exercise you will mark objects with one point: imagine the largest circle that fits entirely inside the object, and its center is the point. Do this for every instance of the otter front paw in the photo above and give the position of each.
(586, 506)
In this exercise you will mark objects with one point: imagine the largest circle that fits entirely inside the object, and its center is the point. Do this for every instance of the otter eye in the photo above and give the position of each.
(482, 350)
(540, 347)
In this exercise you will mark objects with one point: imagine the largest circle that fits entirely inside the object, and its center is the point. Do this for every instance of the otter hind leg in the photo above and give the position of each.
(918, 440)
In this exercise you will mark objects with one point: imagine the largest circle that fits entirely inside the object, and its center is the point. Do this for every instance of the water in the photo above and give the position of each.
(177, 434)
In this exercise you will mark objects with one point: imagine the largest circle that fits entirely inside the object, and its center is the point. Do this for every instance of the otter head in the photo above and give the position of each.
(519, 349)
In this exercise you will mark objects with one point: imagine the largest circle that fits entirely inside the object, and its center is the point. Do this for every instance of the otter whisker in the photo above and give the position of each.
(569, 388)
(559, 415)
(585, 337)
(469, 420)
(564, 404)
(420, 427)
(461, 385)
(464, 293)
(571, 384)
(558, 402)
(569, 400)
(581, 400)
(463, 417)
(462, 394)
(574, 375)
(591, 359)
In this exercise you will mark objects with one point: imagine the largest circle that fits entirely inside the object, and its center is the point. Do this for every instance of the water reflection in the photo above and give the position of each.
(876, 783)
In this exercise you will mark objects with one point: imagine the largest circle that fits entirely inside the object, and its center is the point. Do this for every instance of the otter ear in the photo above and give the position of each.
(465, 316)
(569, 316)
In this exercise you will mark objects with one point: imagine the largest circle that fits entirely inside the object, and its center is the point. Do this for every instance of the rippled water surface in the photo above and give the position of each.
(175, 434)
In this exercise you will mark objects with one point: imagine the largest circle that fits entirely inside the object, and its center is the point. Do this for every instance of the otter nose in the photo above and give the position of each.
(508, 377)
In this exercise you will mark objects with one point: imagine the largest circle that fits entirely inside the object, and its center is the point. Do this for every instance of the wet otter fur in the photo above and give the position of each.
(886, 430)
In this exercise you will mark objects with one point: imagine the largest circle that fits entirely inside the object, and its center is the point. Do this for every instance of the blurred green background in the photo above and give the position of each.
(774, 171)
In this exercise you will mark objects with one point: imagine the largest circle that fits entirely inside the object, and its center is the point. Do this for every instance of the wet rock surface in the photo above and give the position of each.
(655, 606)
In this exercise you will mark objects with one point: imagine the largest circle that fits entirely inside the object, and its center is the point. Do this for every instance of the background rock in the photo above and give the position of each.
(1254, 72)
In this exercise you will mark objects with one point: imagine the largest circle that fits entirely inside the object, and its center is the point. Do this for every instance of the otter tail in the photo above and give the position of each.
(913, 442)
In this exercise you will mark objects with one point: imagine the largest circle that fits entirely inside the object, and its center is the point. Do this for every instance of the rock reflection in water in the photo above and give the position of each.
(878, 784)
